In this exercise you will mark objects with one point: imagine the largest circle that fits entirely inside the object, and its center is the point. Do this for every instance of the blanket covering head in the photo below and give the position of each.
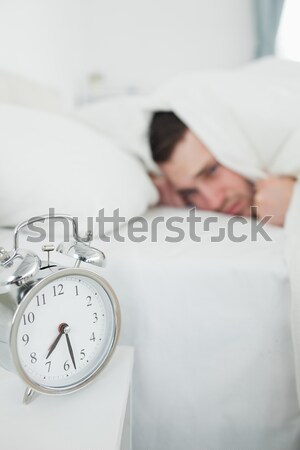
(249, 118)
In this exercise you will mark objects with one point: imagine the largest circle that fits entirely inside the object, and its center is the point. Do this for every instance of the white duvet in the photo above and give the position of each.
(250, 120)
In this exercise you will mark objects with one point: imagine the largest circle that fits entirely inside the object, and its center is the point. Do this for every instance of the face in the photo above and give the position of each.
(203, 182)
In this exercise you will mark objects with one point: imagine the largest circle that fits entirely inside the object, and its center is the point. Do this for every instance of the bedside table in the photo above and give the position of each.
(95, 418)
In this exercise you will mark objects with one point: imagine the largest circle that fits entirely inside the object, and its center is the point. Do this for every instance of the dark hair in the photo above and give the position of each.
(165, 131)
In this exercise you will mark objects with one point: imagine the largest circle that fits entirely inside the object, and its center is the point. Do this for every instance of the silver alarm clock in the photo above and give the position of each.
(58, 325)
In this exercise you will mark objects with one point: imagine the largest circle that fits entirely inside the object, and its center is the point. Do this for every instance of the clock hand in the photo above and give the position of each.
(54, 344)
(70, 349)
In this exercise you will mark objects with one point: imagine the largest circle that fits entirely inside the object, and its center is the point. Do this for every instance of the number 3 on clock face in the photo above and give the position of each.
(65, 331)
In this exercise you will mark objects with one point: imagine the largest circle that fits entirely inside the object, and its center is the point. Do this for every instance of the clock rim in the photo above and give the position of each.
(28, 297)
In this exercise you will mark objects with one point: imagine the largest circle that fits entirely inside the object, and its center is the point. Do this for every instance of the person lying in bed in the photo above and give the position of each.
(190, 175)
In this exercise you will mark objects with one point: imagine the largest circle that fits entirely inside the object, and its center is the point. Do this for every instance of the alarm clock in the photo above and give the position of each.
(58, 325)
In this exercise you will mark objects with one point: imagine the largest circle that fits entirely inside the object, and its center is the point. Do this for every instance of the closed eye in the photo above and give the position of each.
(212, 169)
(187, 192)
(207, 172)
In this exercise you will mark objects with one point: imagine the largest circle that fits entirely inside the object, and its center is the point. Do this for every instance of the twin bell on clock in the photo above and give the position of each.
(58, 325)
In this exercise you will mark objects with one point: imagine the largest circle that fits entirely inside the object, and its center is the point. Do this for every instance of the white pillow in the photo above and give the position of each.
(125, 120)
(50, 161)
(21, 91)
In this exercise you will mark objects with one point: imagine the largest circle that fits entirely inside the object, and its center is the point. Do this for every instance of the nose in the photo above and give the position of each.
(212, 196)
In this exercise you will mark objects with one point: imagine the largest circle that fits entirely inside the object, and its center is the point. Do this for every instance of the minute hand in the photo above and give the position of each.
(70, 350)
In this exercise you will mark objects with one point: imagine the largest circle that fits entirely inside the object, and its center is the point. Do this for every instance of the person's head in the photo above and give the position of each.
(193, 171)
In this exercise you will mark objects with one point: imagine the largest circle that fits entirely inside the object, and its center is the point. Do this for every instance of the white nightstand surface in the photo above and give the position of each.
(90, 419)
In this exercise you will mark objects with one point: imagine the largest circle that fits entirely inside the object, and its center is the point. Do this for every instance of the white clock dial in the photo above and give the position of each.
(65, 332)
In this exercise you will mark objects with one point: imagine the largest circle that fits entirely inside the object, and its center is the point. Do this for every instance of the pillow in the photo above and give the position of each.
(24, 92)
(51, 161)
(125, 120)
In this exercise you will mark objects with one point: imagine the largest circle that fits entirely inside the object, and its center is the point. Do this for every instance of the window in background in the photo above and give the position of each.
(288, 38)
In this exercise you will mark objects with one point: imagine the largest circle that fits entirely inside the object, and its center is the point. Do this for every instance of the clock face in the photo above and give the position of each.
(66, 331)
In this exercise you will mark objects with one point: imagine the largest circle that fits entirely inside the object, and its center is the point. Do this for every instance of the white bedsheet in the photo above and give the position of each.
(210, 325)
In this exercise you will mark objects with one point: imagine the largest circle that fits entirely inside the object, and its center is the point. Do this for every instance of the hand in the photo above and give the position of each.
(168, 195)
(272, 198)
(70, 350)
(54, 344)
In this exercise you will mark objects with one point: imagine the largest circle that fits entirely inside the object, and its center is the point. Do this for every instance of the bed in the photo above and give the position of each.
(210, 325)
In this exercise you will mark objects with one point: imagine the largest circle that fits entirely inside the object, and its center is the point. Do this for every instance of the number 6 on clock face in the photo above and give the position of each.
(64, 331)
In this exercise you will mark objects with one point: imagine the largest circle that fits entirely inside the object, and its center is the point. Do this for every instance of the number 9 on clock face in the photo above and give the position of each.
(65, 330)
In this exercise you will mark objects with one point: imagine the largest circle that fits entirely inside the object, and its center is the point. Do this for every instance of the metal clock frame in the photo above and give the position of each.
(28, 297)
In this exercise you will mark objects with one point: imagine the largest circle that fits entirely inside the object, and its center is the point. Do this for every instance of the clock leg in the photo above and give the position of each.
(29, 395)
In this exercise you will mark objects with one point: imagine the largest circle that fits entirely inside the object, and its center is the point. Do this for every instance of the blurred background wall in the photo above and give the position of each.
(133, 45)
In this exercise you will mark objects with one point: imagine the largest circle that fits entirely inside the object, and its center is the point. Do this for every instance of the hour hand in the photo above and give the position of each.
(52, 347)
(54, 344)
